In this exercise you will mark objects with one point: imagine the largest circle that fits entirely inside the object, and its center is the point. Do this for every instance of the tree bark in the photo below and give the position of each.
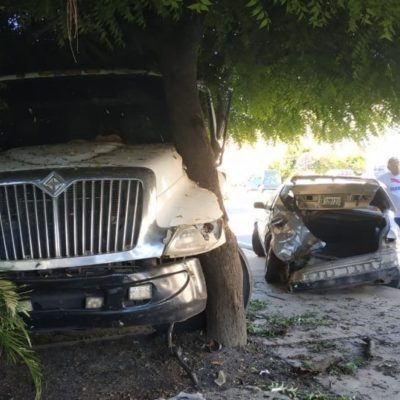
(226, 320)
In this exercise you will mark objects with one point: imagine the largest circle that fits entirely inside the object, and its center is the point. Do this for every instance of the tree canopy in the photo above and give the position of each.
(294, 65)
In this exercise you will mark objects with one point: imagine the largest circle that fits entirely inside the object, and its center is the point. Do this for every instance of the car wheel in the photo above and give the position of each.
(394, 283)
(256, 244)
(275, 269)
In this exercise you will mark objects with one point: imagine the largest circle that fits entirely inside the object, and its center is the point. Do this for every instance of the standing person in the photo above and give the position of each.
(391, 180)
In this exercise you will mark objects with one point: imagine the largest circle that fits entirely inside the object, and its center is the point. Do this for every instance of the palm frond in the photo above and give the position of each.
(15, 344)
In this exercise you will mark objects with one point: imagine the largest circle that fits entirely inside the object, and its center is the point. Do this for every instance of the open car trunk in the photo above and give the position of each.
(346, 233)
(347, 214)
(349, 218)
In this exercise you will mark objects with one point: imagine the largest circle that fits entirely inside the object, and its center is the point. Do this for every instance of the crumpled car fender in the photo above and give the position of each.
(291, 239)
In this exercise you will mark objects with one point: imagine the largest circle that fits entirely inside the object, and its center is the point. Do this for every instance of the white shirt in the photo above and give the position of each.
(392, 183)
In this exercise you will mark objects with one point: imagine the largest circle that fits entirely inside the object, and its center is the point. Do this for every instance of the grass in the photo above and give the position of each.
(351, 367)
(256, 305)
(348, 367)
(278, 325)
(324, 346)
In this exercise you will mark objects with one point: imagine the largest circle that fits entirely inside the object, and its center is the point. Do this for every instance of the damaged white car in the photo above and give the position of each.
(324, 231)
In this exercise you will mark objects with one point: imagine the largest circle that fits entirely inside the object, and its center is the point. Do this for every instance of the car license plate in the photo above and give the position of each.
(332, 201)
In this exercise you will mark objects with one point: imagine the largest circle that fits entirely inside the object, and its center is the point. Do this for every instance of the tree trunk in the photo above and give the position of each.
(226, 320)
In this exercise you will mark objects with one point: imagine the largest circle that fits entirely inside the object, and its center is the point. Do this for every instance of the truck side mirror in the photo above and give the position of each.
(222, 116)
(217, 118)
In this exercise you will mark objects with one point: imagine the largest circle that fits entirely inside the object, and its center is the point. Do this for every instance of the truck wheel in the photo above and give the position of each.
(256, 244)
(247, 278)
(275, 269)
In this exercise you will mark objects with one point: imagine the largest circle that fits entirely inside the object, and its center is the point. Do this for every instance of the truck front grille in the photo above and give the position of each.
(90, 217)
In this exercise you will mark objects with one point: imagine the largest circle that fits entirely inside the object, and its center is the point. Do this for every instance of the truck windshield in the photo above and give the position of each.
(59, 109)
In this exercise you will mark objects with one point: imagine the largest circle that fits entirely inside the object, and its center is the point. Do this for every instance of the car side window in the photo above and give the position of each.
(269, 202)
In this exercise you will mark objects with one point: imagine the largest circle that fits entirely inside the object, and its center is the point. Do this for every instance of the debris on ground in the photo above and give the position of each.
(369, 347)
(333, 345)
(221, 379)
(187, 396)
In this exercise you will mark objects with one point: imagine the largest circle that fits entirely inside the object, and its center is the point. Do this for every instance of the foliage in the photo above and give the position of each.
(256, 305)
(278, 325)
(15, 344)
(356, 163)
(298, 160)
(294, 65)
(286, 166)
(317, 67)
(351, 367)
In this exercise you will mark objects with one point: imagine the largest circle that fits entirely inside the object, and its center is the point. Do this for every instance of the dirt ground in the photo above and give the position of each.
(332, 345)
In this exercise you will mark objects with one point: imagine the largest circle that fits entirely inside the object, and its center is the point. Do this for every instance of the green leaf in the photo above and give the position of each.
(252, 3)
(257, 11)
(264, 23)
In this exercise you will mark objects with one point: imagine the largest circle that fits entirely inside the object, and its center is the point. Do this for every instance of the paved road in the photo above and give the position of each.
(242, 214)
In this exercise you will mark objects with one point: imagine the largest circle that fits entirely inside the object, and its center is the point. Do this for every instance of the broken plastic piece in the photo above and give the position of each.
(221, 379)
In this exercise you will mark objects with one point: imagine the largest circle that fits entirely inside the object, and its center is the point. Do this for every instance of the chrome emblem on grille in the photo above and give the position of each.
(53, 184)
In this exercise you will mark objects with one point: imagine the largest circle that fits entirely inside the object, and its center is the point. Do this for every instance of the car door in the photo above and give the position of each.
(264, 217)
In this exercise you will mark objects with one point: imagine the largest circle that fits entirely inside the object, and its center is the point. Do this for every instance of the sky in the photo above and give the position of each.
(381, 148)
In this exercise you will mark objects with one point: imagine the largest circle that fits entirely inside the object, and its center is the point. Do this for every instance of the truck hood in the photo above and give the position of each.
(162, 159)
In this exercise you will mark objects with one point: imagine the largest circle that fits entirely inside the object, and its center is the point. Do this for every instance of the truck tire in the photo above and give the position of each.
(275, 269)
(256, 244)
(247, 278)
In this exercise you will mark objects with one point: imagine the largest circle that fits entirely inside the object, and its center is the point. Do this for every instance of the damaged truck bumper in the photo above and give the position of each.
(113, 298)
(380, 267)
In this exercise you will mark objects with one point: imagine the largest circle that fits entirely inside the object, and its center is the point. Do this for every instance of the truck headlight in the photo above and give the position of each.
(188, 240)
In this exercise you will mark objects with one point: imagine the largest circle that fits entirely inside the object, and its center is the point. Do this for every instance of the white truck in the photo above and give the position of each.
(98, 218)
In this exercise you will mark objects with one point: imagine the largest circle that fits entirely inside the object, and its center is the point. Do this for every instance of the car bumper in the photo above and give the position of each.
(178, 293)
(381, 267)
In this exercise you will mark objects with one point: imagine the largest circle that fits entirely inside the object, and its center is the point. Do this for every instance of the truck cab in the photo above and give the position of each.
(98, 218)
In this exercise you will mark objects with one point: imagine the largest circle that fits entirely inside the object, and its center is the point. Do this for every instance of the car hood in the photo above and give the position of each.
(162, 159)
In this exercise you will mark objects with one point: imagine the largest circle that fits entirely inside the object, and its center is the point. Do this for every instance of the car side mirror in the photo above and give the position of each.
(259, 204)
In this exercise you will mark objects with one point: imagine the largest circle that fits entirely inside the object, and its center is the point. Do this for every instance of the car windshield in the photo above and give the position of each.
(272, 179)
(59, 109)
